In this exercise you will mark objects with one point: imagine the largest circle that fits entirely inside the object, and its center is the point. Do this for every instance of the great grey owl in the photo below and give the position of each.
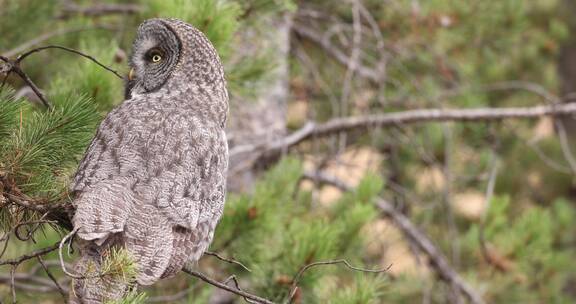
(153, 179)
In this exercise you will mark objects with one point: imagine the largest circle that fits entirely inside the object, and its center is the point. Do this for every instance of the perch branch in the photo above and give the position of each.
(228, 288)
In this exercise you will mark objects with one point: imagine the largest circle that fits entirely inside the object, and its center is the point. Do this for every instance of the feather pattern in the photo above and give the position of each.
(153, 180)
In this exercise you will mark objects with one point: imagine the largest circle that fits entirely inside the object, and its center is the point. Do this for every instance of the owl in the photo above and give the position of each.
(153, 180)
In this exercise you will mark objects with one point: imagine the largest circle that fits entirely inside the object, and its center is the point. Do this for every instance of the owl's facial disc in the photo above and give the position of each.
(156, 52)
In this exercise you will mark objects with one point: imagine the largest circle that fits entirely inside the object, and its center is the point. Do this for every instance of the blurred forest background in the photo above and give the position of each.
(457, 212)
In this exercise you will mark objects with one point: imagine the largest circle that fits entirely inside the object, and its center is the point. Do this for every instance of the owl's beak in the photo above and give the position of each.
(131, 74)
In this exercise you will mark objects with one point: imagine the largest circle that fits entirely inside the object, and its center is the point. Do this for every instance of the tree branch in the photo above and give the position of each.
(223, 286)
(347, 124)
(227, 260)
(51, 276)
(23, 56)
(33, 254)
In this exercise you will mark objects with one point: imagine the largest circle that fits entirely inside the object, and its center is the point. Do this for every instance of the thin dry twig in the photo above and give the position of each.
(351, 67)
(31, 255)
(310, 34)
(237, 285)
(298, 275)
(15, 68)
(228, 288)
(231, 261)
(51, 276)
(61, 257)
(23, 56)
(59, 211)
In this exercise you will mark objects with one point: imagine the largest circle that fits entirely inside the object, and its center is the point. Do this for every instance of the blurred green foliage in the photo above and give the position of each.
(439, 53)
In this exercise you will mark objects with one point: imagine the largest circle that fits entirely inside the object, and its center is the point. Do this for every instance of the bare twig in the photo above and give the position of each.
(13, 66)
(298, 275)
(237, 285)
(332, 50)
(61, 257)
(231, 261)
(16, 69)
(437, 260)
(31, 255)
(37, 224)
(23, 56)
(337, 125)
(223, 286)
(60, 289)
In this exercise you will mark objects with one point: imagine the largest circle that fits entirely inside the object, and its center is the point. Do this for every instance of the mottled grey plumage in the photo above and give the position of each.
(153, 179)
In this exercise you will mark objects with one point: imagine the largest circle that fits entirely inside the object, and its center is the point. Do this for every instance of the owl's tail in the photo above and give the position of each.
(95, 286)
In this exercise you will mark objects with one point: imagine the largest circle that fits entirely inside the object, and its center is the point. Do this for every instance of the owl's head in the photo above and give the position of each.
(169, 49)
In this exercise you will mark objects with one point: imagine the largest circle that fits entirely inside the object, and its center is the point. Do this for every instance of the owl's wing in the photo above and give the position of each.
(189, 189)
(192, 196)
(108, 149)
(173, 173)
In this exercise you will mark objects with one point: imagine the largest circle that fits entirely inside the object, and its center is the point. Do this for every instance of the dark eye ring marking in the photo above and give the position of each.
(154, 55)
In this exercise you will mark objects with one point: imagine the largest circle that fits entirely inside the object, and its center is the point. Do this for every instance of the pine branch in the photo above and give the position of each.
(59, 212)
(13, 66)
(415, 235)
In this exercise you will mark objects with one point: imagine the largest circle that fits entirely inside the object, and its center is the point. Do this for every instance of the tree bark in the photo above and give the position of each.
(262, 119)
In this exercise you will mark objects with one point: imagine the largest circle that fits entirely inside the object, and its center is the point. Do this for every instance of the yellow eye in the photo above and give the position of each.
(156, 58)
